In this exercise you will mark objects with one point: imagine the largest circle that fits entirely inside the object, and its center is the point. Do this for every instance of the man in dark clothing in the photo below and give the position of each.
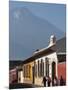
(49, 81)
(44, 81)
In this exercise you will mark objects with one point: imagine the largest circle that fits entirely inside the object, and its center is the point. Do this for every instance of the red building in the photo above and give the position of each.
(13, 71)
(61, 54)
(13, 75)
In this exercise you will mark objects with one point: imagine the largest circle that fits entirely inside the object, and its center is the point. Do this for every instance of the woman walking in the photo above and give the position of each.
(44, 81)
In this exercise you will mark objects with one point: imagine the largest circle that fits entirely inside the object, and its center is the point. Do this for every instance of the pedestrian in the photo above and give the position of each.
(61, 81)
(49, 81)
(55, 81)
(44, 81)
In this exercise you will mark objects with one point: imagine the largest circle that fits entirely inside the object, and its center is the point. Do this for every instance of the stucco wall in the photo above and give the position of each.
(52, 57)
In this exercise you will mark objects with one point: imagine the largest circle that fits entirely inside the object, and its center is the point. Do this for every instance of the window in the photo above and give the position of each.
(53, 69)
(38, 69)
(35, 68)
(27, 69)
(24, 71)
(47, 67)
(42, 68)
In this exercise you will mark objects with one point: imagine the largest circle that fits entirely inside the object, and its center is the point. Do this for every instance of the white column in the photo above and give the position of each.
(44, 69)
(50, 69)
(20, 75)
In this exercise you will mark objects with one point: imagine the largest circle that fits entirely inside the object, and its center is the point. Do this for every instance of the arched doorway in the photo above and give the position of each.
(53, 70)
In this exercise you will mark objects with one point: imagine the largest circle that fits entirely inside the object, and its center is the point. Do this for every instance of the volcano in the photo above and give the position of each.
(28, 32)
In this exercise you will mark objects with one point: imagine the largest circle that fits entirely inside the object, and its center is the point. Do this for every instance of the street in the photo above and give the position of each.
(19, 85)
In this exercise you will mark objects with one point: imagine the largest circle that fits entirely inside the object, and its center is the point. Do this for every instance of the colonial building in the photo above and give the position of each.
(49, 61)
(14, 69)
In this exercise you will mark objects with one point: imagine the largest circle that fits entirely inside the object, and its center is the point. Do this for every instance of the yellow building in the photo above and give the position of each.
(28, 72)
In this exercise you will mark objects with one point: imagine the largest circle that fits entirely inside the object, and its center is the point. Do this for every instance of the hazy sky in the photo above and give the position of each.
(24, 41)
(54, 13)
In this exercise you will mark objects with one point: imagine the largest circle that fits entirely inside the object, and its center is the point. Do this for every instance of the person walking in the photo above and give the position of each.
(44, 81)
(49, 81)
(61, 81)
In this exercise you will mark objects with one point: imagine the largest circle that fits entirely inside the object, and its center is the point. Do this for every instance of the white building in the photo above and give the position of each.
(45, 62)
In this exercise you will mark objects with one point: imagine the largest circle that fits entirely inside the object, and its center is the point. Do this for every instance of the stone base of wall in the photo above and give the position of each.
(39, 81)
(27, 80)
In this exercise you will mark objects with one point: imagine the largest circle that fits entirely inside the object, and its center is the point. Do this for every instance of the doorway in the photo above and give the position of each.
(53, 70)
(33, 79)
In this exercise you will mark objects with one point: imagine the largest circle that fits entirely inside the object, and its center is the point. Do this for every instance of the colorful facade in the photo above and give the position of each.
(13, 76)
(49, 61)
(45, 62)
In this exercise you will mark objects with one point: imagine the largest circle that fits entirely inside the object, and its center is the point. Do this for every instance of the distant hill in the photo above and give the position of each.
(14, 63)
(28, 32)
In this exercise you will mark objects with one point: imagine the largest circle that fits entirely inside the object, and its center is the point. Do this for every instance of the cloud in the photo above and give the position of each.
(17, 14)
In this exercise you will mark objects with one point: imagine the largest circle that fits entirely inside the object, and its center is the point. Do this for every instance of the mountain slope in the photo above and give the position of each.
(28, 32)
